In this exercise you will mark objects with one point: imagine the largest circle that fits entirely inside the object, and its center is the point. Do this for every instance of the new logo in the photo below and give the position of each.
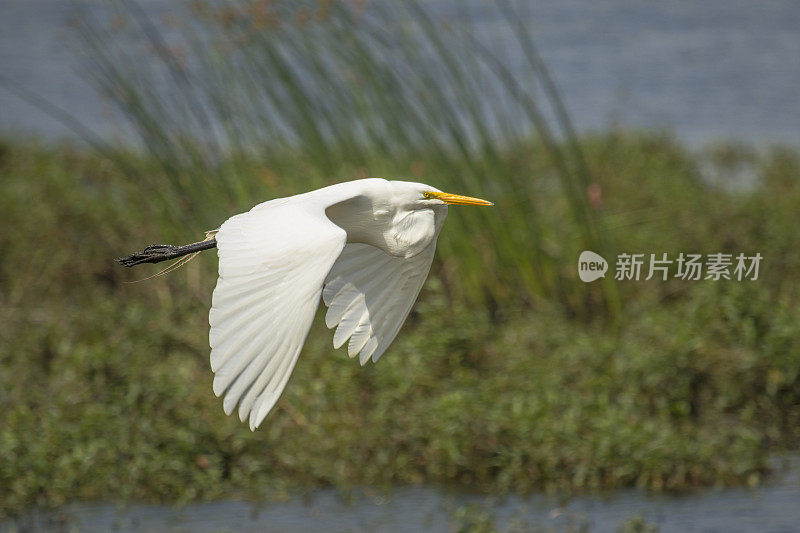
(591, 266)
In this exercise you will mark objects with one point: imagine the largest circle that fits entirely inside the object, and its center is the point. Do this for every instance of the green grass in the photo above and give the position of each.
(105, 387)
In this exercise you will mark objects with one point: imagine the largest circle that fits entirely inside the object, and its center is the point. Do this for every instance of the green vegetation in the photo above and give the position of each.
(105, 389)
(510, 375)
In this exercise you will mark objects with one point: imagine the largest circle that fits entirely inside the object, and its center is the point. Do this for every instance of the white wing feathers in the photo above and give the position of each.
(272, 264)
(369, 295)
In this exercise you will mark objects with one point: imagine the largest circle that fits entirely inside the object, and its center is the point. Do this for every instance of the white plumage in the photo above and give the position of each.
(365, 247)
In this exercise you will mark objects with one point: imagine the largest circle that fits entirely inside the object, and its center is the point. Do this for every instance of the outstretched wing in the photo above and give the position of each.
(369, 294)
(272, 265)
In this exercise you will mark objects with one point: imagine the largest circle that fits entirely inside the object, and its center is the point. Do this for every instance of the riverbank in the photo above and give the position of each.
(105, 390)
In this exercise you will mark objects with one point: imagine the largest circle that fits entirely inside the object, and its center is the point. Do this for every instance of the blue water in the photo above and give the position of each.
(705, 70)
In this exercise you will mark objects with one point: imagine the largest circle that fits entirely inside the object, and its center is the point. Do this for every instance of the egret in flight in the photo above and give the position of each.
(364, 246)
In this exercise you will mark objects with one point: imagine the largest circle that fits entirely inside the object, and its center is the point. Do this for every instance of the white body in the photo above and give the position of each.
(364, 246)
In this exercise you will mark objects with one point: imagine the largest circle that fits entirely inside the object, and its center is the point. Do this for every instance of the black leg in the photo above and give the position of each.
(156, 253)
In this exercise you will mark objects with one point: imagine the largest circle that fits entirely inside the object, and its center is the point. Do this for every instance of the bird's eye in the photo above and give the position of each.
(426, 194)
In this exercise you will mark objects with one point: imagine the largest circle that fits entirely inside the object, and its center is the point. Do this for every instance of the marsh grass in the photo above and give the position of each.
(105, 390)
(390, 89)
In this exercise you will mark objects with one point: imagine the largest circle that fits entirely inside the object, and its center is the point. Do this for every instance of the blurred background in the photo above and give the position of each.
(516, 397)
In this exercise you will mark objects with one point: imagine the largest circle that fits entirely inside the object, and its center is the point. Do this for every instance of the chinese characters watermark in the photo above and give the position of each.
(692, 267)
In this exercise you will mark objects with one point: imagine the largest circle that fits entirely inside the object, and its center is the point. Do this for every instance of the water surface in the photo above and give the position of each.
(707, 70)
(772, 508)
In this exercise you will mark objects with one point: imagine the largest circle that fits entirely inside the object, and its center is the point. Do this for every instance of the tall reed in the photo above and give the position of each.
(241, 101)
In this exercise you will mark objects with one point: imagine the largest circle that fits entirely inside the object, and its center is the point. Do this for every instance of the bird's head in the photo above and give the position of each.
(399, 217)
(422, 196)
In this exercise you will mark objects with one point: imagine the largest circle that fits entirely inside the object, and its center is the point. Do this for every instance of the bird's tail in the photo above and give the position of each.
(165, 252)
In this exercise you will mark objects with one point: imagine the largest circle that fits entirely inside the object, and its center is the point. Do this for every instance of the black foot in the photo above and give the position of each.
(151, 254)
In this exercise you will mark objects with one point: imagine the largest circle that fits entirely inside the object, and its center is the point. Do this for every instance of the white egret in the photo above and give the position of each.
(364, 246)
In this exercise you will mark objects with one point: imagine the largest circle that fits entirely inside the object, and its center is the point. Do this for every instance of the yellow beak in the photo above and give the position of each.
(457, 199)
